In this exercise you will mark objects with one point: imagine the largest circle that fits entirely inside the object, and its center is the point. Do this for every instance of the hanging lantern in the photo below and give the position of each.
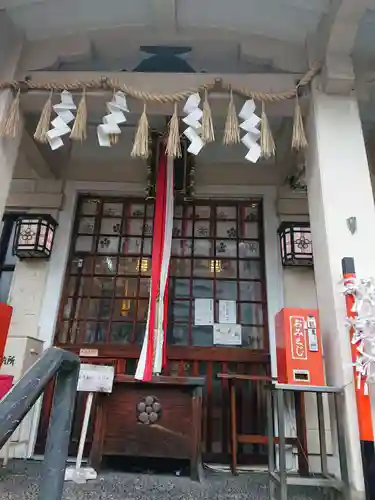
(33, 237)
(295, 244)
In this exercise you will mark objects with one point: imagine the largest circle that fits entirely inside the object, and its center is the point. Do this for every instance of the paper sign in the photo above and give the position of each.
(227, 311)
(298, 337)
(95, 378)
(227, 334)
(204, 312)
(88, 353)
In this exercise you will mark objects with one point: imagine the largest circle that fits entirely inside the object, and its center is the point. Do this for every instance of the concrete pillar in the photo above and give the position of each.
(339, 187)
(11, 42)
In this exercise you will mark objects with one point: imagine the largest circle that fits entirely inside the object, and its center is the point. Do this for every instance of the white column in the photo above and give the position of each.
(11, 43)
(339, 187)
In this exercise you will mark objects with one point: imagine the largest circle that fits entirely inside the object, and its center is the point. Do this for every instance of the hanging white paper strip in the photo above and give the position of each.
(110, 126)
(60, 123)
(363, 328)
(194, 115)
(249, 125)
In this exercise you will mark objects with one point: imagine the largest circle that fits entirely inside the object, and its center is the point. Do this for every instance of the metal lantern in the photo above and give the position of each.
(296, 244)
(33, 237)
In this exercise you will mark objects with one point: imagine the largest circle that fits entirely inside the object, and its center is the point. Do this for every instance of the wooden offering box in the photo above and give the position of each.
(161, 419)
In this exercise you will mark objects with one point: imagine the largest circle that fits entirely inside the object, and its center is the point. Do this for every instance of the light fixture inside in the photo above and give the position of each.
(142, 265)
(215, 266)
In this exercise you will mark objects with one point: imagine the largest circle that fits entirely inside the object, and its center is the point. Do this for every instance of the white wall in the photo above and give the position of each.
(300, 291)
(35, 291)
(298, 283)
(27, 294)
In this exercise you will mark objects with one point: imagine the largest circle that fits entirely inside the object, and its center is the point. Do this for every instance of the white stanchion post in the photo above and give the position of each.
(92, 378)
(85, 425)
(79, 474)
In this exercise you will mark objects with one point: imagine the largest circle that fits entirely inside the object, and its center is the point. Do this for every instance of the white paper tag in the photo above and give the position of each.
(254, 153)
(249, 140)
(192, 103)
(54, 142)
(65, 114)
(120, 101)
(196, 142)
(59, 123)
(111, 128)
(115, 117)
(195, 146)
(251, 124)
(103, 137)
(192, 119)
(247, 109)
(66, 101)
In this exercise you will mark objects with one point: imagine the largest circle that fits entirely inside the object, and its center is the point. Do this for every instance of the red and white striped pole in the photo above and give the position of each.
(153, 353)
(366, 432)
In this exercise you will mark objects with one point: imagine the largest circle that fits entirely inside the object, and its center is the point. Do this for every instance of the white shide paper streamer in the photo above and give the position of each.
(110, 126)
(64, 116)
(362, 327)
(194, 115)
(249, 125)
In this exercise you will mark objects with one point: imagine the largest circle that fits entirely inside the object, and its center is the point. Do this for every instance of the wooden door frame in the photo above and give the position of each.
(59, 256)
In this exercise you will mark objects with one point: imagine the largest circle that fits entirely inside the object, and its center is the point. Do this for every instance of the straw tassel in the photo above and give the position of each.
(113, 139)
(267, 143)
(173, 148)
(11, 125)
(79, 130)
(208, 134)
(140, 146)
(231, 129)
(42, 128)
(299, 140)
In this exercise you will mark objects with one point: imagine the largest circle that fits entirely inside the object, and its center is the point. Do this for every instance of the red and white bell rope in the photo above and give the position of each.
(153, 353)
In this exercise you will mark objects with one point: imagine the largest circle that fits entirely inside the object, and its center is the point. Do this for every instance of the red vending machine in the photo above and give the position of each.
(5, 317)
(299, 347)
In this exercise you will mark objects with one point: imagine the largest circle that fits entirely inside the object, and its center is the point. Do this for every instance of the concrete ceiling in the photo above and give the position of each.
(287, 20)
(237, 36)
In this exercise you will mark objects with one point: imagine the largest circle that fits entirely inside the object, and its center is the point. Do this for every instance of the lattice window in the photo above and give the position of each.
(216, 253)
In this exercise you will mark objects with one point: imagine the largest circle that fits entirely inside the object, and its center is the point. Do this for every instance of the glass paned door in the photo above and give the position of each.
(217, 254)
